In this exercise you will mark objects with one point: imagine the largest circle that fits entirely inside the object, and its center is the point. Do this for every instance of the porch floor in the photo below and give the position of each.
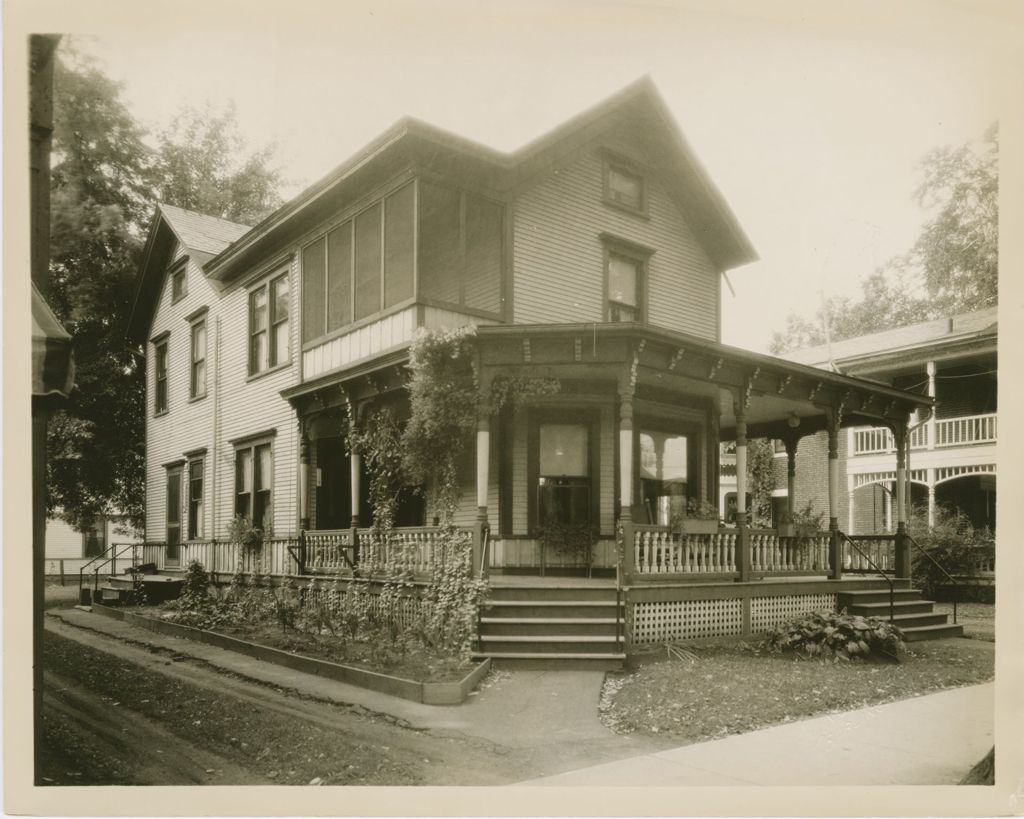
(525, 581)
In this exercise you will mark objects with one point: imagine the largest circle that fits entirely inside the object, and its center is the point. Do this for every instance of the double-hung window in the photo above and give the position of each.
(253, 481)
(197, 368)
(268, 325)
(625, 186)
(160, 376)
(179, 284)
(625, 271)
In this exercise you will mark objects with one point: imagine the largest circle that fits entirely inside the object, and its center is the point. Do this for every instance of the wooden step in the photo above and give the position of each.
(550, 625)
(905, 621)
(556, 662)
(848, 598)
(881, 610)
(547, 644)
(551, 608)
(916, 634)
(602, 593)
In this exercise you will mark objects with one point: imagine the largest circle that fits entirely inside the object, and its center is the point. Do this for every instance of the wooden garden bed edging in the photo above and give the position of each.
(428, 693)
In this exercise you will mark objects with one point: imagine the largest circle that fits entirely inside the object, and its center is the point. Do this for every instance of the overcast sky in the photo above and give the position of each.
(811, 124)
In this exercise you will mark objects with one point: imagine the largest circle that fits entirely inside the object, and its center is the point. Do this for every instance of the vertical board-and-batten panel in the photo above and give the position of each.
(252, 405)
(188, 424)
(559, 255)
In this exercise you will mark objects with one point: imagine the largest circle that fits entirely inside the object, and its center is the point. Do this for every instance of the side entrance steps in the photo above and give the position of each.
(116, 589)
(915, 616)
(553, 627)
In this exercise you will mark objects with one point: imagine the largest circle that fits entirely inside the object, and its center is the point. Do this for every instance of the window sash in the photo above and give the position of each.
(258, 347)
(195, 500)
(625, 187)
(160, 398)
(254, 477)
(197, 380)
(280, 300)
(178, 285)
(173, 509)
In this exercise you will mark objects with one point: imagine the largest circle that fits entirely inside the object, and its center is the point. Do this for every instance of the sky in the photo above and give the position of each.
(811, 118)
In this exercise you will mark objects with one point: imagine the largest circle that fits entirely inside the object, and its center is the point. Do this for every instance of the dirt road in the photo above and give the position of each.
(116, 713)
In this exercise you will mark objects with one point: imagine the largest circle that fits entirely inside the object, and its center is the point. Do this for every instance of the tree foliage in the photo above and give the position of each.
(951, 268)
(104, 184)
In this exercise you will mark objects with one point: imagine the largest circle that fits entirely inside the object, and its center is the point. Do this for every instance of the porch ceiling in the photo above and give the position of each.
(772, 391)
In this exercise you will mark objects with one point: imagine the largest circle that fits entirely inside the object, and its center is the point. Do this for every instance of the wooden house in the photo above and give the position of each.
(593, 256)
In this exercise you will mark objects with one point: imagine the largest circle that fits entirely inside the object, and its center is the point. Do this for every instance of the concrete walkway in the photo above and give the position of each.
(929, 740)
(547, 721)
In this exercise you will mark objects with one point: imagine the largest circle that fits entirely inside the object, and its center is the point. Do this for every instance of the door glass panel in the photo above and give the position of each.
(563, 450)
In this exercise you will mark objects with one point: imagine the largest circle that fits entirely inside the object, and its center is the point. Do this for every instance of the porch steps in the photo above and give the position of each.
(116, 589)
(553, 627)
(915, 617)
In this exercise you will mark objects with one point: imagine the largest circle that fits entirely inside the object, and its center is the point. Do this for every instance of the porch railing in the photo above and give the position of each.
(413, 549)
(876, 440)
(329, 550)
(658, 550)
(971, 429)
(867, 554)
(772, 554)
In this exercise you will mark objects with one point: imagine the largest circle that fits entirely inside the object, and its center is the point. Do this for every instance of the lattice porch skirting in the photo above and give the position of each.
(674, 620)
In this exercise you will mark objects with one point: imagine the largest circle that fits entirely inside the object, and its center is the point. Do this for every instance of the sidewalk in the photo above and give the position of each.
(929, 740)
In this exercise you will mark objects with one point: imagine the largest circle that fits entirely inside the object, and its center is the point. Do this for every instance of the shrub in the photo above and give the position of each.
(954, 544)
(837, 636)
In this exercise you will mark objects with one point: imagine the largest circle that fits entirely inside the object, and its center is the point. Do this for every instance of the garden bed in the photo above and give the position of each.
(446, 684)
(714, 694)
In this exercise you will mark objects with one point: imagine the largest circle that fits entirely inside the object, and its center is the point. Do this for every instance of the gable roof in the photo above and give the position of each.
(202, 237)
(964, 326)
(685, 177)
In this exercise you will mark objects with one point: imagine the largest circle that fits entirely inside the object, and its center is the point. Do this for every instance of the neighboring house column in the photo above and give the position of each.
(902, 440)
(483, 454)
(849, 504)
(791, 442)
(931, 495)
(743, 533)
(931, 419)
(835, 545)
(887, 504)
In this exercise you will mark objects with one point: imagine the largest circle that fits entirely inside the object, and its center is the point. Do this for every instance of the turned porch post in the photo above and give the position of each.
(902, 440)
(835, 543)
(303, 477)
(743, 532)
(355, 465)
(483, 454)
(626, 567)
(791, 442)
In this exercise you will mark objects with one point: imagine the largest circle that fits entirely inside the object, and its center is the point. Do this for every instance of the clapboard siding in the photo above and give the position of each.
(187, 425)
(62, 539)
(559, 256)
(244, 406)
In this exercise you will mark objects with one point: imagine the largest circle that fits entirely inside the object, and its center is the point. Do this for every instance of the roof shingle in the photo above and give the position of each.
(197, 231)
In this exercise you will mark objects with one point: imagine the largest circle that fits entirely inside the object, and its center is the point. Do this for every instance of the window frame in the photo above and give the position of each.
(196, 323)
(583, 416)
(179, 282)
(694, 432)
(626, 167)
(174, 472)
(161, 350)
(252, 446)
(266, 288)
(615, 246)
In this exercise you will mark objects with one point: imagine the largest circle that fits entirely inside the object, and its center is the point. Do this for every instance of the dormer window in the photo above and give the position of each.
(624, 187)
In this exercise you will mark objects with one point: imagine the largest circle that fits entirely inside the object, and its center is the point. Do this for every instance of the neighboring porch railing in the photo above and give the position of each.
(875, 440)
(971, 429)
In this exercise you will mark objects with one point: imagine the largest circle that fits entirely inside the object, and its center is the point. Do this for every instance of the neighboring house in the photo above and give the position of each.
(69, 549)
(593, 256)
(952, 460)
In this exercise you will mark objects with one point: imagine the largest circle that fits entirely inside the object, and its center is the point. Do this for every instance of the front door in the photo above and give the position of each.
(334, 485)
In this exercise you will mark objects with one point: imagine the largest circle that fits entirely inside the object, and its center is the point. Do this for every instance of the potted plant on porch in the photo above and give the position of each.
(701, 517)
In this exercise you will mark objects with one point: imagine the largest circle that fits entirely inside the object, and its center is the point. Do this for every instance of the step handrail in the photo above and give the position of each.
(104, 560)
(892, 586)
(940, 567)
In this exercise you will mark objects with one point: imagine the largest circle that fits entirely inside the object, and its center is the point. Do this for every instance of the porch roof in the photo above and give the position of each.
(775, 393)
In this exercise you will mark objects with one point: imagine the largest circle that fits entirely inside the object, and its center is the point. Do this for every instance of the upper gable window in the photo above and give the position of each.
(624, 187)
(625, 270)
(179, 285)
(268, 325)
(197, 368)
(160, 391)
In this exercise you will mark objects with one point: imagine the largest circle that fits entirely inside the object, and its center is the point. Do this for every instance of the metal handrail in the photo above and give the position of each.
(940, 567)
(892, 586)
(104, 560)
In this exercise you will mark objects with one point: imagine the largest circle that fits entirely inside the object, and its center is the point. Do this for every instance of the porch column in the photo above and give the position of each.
(791, 442)
(743, 533)
(835, 544)
(483, 454)
(902, 440)
(931, 496)
(931, 418)
(303, 478)
(626, 567)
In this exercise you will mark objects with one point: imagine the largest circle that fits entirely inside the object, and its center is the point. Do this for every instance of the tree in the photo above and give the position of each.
(951, 268)
(201, 165)
(104, 185)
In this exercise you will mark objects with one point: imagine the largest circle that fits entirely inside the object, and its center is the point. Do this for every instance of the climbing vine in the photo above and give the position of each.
(760, 479)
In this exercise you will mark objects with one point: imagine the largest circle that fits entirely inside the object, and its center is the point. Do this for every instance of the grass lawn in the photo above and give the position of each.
(56, 596)
(978, 619)
(731, 688)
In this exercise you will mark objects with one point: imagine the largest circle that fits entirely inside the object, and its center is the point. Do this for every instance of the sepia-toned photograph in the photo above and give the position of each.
(565, 395)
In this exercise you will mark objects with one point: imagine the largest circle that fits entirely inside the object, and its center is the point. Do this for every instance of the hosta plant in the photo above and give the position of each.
(835, 636)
